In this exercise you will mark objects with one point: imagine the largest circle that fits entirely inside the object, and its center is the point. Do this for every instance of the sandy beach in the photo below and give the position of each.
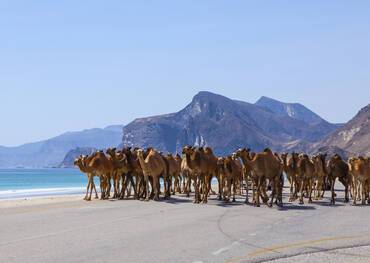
(68, 229)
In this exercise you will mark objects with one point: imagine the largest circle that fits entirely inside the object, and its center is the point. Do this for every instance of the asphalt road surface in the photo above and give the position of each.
(180, 231)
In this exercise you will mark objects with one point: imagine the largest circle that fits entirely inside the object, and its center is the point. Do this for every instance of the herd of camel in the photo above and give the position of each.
(140, 172)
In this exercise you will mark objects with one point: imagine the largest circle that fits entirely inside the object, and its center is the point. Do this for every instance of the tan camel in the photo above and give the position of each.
(209, 168)
(153, 166)
(263, 166)
(118, 166)
(360, 174)
(194, 166)
(290, 169)
(230, 175)
(319, 162)
(80, 162)
(337, 168)
(174, 170)
(305, 177)
(186, 174)
(103, 168)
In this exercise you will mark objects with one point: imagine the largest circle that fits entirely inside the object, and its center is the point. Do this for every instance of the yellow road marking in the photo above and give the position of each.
(288, 246)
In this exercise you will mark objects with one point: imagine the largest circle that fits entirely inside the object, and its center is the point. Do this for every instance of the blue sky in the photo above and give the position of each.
(70, 65)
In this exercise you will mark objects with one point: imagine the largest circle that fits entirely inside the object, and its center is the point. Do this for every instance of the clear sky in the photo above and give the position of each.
(70, 65)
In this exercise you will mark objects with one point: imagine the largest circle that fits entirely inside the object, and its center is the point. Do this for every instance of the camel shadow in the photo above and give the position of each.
(288, 206)
(175, 201)
(229, 204)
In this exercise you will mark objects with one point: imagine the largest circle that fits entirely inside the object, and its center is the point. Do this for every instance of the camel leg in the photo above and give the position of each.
(146, 179)
(332, 183)
(133, 186)
(96, 192)
(234, 190)
(156, 188)
(87, 189)
(273, 192)
(310, 191)
(302, 187)
(196, 189)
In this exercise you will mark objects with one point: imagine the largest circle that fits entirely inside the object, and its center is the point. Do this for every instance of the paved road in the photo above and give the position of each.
(179, 231)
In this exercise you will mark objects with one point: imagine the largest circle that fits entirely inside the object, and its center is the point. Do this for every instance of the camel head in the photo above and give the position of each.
(187, 150)
(77, 161)
(243, 153)
(111, 152)
(140, 153)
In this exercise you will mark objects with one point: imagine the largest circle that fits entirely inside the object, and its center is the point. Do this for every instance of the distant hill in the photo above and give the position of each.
(68, 161)
(51, 152)
(293, 110)
(353, 137)
(226, 125)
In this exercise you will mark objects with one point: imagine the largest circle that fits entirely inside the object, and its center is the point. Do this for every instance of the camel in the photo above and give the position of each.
(80, 162)
(245, 155)
(117, 165)
(337, 168)
(230, 174)
(103, 168)
(263, 166)
(305, 177)
(174, 170)
(186, 174)
(194, 166)
(153, 166)
(320, 175)
(209, 168)
(360, 172)
(290, 168)
(121, 170)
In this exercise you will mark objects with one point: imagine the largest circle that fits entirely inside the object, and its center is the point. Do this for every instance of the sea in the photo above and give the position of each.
(27, 183)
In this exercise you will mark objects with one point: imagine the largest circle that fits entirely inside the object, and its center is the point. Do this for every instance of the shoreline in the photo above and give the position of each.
(24, 194)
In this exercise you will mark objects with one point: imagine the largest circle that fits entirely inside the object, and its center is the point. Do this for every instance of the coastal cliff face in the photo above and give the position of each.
(226, 124)
(68, 161)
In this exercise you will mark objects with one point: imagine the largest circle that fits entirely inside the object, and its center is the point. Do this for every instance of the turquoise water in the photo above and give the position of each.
(23, 183)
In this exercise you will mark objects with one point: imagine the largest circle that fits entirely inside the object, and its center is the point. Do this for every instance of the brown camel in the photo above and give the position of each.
(319, 162)
(80, 162)
(290, 169)
(230, 175)
(186, 174)
(305, 177)
(337, 168)
(194, 165)
(360, 177)
(174, 170)
(103, 168)
(153, 166)
(263, 166)
(209, 168)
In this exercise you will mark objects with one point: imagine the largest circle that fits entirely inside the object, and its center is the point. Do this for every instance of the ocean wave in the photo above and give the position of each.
(27, 193)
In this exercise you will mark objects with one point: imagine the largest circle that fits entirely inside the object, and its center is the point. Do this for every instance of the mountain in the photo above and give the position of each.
(226, 125)
(51, 152)
(353, 137)
(68, 161)
(293, 110)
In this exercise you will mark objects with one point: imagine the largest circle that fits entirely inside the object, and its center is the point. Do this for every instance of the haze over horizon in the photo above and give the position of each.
(76, 65)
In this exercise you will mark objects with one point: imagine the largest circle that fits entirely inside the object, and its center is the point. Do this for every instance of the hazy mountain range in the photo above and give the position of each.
(209, 119)
(51, 152)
